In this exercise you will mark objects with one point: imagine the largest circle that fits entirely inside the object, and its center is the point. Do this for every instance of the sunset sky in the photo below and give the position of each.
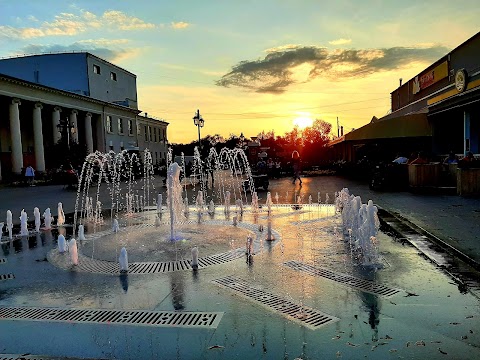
(249, 65)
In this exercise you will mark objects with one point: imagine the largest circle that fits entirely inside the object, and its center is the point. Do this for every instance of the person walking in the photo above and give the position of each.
(30, 175)
(296, 167)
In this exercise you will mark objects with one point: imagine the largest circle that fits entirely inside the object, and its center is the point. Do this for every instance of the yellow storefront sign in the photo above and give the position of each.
(430, 77)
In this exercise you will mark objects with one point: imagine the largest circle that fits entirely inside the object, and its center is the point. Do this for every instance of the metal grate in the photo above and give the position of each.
(37, 357)
(3, 261)
(87, 264)
(6, 277)
(344, 279)
(307, 316)
(120, 317)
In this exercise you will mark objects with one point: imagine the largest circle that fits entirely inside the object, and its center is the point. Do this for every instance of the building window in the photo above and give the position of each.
(146, 133)
(150, 133)
(155, 134)
(120, 125)
(130, 127)
(96, 69)
(113, 76)
(109, 124)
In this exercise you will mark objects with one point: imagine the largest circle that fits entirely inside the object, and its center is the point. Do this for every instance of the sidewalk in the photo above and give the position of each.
(453, 219)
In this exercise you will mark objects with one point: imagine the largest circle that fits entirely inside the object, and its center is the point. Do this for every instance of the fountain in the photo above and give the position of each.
(314, 277)
(23, 223)
(10, 224)
(227, 202)
(174, 196)
(115, 226)
(60, 215)
(72, 248)
(239, 206)
(211, 208)
(47, 216)
(123, 260)
(269, 202)
(62, 244)
(36, 215)
(360, 222)
(199, 203)
(81, 233)
(159, 203)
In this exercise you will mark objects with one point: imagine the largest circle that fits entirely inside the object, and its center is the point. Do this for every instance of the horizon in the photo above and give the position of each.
(249, 67)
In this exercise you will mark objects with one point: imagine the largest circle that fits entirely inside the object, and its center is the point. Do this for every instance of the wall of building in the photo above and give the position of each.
(61, 71)
(27, 96)
(116, 138)
(439, 76)
(103, 86)
(152, 135)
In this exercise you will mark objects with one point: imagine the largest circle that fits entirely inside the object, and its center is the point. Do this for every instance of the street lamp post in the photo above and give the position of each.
(199, 122)
(67, 127)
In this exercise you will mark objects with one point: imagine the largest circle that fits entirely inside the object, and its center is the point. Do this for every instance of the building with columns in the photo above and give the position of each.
(30, 113)
(79, 72)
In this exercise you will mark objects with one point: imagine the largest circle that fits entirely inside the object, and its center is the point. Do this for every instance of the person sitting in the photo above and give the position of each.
(451, 159)
(400, 159)
(421, 159)
(468, 161)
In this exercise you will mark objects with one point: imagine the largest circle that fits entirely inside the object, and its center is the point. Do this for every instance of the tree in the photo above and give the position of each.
(315, 139)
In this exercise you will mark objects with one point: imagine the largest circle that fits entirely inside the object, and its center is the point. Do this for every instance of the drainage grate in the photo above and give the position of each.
(87, 264)
(3, 261)
(121, 317)
(38, 357)
(344, 279)
(307, 316)
(6, 277)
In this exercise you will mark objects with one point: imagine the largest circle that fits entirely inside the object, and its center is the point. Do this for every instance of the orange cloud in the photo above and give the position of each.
(179, 25)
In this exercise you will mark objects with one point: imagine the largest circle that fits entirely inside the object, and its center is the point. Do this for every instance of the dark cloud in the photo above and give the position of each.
(275, 72)
(106, 53)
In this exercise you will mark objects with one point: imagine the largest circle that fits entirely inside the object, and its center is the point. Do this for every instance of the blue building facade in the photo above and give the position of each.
(66, 72)
(81, 73)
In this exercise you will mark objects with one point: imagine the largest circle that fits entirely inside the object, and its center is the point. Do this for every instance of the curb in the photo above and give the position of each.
(430, 237)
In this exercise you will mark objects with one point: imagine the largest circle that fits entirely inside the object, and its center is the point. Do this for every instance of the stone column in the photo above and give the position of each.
(38, 137)
(16, 137)
(89, 133)
(74, 125)
(100, 131)
(55, 122)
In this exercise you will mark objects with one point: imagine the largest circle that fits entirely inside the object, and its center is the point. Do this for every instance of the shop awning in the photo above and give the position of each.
(413, 125)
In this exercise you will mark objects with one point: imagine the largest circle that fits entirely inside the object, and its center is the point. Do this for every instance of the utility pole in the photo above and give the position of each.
(338, 128)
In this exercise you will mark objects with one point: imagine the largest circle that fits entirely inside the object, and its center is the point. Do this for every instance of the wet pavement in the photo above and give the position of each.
(430, 316)
(451, 218)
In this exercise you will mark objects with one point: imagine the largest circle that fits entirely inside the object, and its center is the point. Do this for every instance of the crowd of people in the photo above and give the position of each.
(421, 158)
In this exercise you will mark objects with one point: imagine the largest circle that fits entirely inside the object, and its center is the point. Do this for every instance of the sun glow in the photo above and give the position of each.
(302, 122)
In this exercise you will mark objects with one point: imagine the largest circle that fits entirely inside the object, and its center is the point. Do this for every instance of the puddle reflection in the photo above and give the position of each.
(124, 282)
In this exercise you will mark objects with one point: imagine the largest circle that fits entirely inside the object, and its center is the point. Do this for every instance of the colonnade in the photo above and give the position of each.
(38, 136)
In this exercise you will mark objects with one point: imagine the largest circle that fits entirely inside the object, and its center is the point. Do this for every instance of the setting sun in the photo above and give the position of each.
(302, 122)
